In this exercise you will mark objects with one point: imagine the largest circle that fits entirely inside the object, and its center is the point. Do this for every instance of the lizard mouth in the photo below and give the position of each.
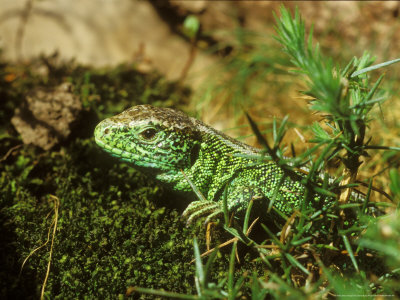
(116, 152)
(138, 160)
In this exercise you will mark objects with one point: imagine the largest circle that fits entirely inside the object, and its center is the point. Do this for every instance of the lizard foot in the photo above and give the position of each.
(198, 209)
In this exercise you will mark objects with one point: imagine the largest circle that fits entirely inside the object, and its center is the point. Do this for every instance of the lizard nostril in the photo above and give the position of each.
(106, 131)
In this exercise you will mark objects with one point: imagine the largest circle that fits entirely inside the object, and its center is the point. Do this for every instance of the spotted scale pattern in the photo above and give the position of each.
(167, 144)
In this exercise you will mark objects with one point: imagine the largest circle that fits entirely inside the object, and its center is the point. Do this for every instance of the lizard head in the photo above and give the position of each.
(156, 140)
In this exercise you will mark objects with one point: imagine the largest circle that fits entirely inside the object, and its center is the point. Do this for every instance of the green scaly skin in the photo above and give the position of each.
(182, 152)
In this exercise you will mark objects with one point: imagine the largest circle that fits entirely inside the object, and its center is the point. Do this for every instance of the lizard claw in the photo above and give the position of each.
(198, 209)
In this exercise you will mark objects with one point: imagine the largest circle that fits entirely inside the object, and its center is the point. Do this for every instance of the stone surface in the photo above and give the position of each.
(44, 119)
(96, 32)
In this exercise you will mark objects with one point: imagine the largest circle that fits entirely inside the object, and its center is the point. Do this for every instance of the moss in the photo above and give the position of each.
(116, 228)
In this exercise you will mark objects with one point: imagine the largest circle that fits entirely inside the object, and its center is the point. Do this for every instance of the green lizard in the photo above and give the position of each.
(182, 152)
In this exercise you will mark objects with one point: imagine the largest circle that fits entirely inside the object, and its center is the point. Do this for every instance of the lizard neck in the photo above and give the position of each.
(214, 166)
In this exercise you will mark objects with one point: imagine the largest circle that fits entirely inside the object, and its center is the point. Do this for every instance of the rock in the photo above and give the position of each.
(45, 118)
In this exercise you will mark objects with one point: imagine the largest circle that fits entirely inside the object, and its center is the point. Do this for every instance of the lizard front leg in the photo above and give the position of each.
(238, 198)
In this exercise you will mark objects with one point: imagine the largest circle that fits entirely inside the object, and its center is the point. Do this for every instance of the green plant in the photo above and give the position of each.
(305, 246)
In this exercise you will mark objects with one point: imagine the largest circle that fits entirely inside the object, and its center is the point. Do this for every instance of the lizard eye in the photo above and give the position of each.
(148, 134)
